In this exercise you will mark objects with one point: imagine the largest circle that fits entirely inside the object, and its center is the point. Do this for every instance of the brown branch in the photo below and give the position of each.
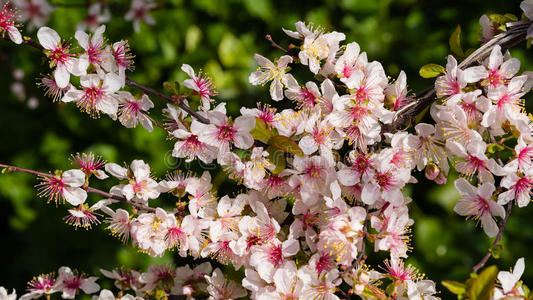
(27, 41)
(181, 104)
(88, 189)
(485, 258)
(516, 32)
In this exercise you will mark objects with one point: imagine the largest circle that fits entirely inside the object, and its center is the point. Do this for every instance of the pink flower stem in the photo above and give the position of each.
(485, 258)
(89, 189)
(268, 37)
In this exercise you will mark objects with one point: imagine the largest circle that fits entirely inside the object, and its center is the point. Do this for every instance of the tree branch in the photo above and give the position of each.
(516, 32)
(485, 258)
(88, 189)
(27, 41)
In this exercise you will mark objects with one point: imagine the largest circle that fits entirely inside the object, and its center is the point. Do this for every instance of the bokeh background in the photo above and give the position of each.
(220, 37)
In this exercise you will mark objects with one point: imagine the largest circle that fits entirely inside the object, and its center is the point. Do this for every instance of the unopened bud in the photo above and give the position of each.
(441, 179)
(432, 171)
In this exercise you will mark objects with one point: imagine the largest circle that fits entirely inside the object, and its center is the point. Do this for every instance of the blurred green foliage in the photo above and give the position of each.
(221, 37)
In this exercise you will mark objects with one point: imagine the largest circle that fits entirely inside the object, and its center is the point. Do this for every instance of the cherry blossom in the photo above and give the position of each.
(275, 72)
(69, 282)
(132, 111)
(200, 83)
(96, 15)
(478, 203)
(141, 186)
(138, 13)
(37, 12)
(60, 56)
(7, 24)
(96, 95)
(64, 187)
(221, 288)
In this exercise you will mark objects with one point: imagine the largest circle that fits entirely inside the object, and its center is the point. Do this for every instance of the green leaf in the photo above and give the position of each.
(277, 158)
(193, 37)
(261, 131)
(458, 288)
(495, 147)
(511, 17)
(285, 144)
(232, 52)
(431, 70)
(455, 42)
(421, 115)
(496, 250)
(502, 19)
(483, 285)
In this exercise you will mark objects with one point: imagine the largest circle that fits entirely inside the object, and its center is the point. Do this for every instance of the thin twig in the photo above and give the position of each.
(88, 188)
(485, 258)
(27, 41)
(268, 37)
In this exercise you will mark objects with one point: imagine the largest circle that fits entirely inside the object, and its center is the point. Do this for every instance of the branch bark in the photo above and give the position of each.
(516, 32)
(88, 188)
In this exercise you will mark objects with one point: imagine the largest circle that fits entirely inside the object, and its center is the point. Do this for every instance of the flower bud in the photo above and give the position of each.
(441, 179)
(432, 171)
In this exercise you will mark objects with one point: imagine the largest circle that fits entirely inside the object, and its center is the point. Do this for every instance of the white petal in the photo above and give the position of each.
(116, 170)
(83, 39)
(74, 195)
(14, 34)
(74, 177)
(112, 82)
(62, 76)
(48, 38)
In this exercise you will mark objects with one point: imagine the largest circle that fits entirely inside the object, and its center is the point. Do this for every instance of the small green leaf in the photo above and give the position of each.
(285, 144)
(496, 250)
(431, 70)
(455, 42)
(511, 17)
(241, 153)
(421, 115)
(495, 147)
(502, 19)
(483, 285)
(193, 37)
(277, 158)
(261, 131)
(458, 288)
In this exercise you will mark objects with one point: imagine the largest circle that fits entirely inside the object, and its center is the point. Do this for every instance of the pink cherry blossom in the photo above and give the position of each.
(7, 24)
(60, 56)
(275, 72)
(65, 187)
(478, 204)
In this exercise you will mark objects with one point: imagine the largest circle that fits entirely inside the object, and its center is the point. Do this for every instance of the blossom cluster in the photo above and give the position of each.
(319, 181)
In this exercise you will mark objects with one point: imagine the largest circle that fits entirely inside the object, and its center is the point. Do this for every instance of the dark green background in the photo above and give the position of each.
(221, 37)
